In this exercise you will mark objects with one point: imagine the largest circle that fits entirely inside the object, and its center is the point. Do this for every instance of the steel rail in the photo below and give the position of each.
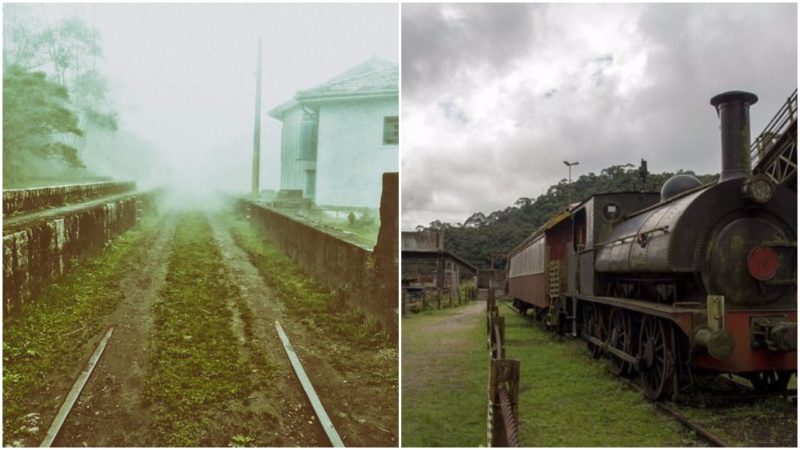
(324, 420)
(75, 392)
(687, 423)
(696, 427)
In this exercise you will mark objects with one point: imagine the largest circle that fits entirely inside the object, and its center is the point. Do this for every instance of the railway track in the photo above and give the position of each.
(83, 378)
(687, 423)
(75, 392)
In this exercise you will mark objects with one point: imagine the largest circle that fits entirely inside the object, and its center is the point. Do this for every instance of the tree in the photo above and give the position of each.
(55, 100)
(522, 202)
(67, 52)
(36, 118)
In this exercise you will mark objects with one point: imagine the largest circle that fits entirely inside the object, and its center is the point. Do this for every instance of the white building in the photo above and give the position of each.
(339, 137)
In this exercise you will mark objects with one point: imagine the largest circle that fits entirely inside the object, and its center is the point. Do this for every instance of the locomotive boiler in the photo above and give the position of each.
(696, 278)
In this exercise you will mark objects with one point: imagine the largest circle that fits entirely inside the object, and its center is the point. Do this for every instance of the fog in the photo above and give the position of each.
(181, 78)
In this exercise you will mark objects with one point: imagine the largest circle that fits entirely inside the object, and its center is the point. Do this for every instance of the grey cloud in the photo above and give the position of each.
(692, 53)
(438, 48)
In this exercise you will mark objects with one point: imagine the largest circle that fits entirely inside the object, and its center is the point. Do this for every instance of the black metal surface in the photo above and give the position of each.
(733, 108)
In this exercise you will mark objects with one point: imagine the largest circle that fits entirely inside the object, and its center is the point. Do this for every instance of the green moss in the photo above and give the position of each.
(42, 342)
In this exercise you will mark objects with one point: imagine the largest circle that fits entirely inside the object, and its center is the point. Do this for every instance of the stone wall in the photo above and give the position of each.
(337, 263)
(37, 251)
(24, 201)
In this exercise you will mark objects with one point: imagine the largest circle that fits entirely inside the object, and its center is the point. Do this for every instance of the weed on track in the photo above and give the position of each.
(42, 343)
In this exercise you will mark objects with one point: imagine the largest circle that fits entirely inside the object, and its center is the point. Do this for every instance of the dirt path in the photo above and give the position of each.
(446, 338)
(445, 370)
(298, 424)
(110, 411)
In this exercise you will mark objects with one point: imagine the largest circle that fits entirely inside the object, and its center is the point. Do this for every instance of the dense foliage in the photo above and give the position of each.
(36, 114)
(53, 98)
(481, 235)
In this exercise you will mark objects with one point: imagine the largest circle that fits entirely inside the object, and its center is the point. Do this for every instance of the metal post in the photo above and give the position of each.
(569, 182)
(439, 280)
(257, 131)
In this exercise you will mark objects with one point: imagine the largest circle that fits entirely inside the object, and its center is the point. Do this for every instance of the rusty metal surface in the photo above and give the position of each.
(696, 427)
(76, 390)
(509, 420)
(530, 289)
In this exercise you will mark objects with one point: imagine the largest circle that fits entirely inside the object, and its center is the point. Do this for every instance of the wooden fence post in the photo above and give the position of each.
(500, 337)
(504, 388)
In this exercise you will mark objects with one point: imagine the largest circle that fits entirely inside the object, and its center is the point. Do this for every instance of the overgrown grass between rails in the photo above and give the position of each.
(196, 369)
(45, 340)
(569, 399)
(304, 297)
(445, 377)
(766, 422)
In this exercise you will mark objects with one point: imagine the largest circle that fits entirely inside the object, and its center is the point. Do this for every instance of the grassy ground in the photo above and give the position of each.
(445, 375)
(197, 371)
(51, 332)
(304, 297)
(569, 399)
(566, 397)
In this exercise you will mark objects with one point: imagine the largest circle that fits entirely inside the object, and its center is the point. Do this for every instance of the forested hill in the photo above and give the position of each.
(481, 235)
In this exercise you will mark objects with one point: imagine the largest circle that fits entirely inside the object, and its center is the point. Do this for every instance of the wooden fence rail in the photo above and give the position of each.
(502, 417)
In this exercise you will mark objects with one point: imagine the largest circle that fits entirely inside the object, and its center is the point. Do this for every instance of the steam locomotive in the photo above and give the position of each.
(694, 279)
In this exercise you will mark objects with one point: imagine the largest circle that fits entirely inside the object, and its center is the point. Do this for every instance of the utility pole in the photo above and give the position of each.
(257, 131)
(569, 191)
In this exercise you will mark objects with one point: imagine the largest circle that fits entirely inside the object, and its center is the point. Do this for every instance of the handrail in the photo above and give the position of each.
(776, 127)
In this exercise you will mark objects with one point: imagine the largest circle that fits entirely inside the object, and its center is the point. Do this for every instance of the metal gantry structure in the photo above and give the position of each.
(774, 151)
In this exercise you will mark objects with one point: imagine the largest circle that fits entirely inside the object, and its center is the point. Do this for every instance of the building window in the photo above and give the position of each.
(391, 130)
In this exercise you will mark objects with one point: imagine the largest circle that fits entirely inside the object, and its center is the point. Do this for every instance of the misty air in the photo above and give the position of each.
(200, 221)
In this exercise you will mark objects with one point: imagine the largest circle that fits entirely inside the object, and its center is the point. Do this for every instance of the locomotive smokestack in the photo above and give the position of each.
(733, 109)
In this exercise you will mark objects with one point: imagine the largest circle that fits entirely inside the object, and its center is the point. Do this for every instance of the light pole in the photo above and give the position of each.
(569, 191)
(257, 129)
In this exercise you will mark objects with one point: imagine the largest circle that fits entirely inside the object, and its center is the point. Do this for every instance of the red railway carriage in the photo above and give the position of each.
(536, 267)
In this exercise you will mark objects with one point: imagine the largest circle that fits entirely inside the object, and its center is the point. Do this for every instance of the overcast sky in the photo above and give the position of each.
(495, 96)
(183, 75)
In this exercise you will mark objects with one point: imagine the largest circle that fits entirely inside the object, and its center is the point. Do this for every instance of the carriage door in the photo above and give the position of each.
(578, 245)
